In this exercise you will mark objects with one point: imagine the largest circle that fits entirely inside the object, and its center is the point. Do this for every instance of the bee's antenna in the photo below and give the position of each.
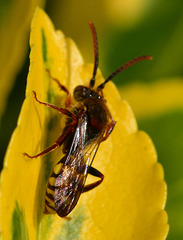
(123, 67)
(96, 58)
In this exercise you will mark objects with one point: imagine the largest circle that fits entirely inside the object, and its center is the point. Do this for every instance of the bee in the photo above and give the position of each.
(88, 123)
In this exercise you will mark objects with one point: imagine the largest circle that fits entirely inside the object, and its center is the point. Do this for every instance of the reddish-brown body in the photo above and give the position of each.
(93, 119)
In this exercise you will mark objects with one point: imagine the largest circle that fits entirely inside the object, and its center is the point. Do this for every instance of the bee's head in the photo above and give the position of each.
(82, 92)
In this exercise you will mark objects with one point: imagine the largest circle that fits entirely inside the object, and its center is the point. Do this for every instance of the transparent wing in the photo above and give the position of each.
(70, 182)
(79, 140)
(90, 151)
(82, 152)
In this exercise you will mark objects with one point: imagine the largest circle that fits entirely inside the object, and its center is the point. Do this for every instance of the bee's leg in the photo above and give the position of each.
(61, 110)
(62, 87)
(58, 143)
(96, 173)
(109, 130)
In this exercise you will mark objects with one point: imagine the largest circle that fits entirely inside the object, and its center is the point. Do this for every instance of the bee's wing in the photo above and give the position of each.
(82, 152)
(79, 139)
(90, 151)
(70, 182)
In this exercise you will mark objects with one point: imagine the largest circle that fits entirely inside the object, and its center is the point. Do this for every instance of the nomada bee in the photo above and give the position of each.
(88, 123)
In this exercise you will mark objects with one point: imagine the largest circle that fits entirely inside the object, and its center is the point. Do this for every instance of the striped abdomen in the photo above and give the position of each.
(50, 189)
(64, 186)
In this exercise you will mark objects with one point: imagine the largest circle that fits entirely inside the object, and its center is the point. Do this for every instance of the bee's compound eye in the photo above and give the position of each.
(80, 93)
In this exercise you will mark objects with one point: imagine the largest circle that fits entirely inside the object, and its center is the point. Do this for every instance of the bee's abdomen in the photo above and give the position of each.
(68, 188)
(50, 189)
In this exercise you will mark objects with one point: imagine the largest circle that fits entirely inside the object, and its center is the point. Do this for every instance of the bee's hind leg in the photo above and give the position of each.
(96, 173)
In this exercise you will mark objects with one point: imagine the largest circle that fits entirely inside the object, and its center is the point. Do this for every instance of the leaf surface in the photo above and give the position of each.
(127, 205)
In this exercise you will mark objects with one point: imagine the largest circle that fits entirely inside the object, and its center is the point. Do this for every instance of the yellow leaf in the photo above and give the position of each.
(127, 205)
(14, 27)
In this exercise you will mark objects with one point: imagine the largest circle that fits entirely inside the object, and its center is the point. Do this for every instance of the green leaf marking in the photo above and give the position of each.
(44, 46)
(19, 227)
(71, 230)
